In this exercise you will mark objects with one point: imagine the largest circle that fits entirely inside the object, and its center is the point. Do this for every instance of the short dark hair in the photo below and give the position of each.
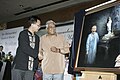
(1, 46)
(33, 19)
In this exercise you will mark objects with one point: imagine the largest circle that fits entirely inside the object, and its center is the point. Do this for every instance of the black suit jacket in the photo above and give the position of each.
(2, 54)
(24, 50)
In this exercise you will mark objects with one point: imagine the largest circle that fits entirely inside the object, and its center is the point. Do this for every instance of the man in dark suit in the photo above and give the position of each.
(26, 59)
(2, 56)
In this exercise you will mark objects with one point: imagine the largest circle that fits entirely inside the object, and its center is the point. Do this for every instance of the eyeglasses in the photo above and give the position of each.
(38, 25)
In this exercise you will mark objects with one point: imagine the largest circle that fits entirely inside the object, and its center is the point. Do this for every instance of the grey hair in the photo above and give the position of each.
(48, 22)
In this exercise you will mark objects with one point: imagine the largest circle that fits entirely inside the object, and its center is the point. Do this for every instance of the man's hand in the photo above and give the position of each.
(54, 49)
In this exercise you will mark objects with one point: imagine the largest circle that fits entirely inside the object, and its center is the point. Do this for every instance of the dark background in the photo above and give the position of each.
(100, 20)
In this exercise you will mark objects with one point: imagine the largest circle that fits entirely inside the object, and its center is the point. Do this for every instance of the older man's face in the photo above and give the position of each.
(51, 29)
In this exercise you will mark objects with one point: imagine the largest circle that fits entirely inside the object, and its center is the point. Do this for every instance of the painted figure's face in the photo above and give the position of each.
(94, 28)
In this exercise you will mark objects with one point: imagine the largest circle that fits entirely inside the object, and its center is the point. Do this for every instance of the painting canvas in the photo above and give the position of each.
(99, 48)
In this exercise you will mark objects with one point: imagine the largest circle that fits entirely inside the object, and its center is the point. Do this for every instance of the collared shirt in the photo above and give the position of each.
(24, 50)
(53, 62)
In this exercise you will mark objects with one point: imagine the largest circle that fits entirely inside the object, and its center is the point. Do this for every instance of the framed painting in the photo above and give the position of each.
(99, 39)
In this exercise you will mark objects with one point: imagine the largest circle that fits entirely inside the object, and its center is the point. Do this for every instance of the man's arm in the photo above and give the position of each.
(40, 55)
(25, 46)
(66, 47)
(87, 44)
